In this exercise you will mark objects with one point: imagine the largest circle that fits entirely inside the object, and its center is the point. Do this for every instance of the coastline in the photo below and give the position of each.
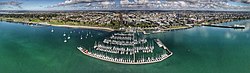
(84, 27)
(87, 27)
(67, 26)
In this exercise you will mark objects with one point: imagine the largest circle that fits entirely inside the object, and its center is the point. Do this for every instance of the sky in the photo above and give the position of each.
(235, 5)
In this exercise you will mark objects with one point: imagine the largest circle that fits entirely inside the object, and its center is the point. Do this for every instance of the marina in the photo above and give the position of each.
(132, 47)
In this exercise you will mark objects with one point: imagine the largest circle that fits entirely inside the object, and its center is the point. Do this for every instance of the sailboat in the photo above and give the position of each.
(65, 40)
(64, 34)
(87, 35)
(52, 30)
(81, 37)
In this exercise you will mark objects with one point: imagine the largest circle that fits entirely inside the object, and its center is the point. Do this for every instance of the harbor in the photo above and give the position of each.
(136, 48)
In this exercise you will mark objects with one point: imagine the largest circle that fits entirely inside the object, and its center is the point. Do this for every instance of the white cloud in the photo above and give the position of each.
(157, 4)
(11, 3)
(72, 2)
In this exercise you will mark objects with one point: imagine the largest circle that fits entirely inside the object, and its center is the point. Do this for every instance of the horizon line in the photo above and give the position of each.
(138, 10)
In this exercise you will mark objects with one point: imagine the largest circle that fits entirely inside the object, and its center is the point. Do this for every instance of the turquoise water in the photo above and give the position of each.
(27, 49)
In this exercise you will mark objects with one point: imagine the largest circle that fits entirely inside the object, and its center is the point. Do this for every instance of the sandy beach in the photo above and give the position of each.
(73, 26)
(70, 26)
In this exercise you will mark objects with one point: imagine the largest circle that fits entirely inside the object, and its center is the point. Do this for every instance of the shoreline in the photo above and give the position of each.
(67, 26)
(88, 27)
(84, 27)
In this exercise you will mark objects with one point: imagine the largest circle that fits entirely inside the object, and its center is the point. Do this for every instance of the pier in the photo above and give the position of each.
(124, 39)
(122, 50)
(227, 26)
(122, 34)
(160, 44)
(125, 42)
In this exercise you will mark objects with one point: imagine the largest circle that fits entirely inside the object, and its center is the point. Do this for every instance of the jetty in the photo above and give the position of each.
(124, 39)
(228, 26)
(122, 50)
(147, 60)
(124, 43)
(160, 44)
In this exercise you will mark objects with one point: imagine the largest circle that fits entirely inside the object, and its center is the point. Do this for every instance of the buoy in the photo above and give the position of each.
(65, 41)
(68, 37)
(64, 34)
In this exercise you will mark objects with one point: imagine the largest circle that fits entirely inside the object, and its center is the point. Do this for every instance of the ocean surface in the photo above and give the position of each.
(41, 49)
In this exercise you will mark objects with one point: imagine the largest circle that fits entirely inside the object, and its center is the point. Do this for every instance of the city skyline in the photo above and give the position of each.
(220, 5)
